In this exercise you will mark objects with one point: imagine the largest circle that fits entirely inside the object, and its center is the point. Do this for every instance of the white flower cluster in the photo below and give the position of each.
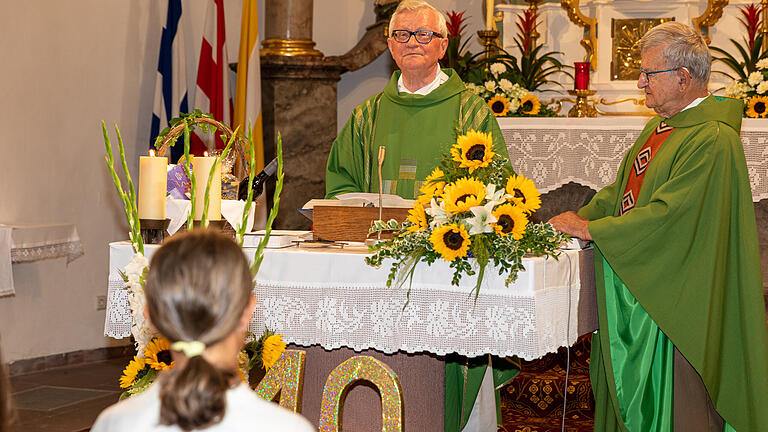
(756, 82)
(496, 86)
(137, 300)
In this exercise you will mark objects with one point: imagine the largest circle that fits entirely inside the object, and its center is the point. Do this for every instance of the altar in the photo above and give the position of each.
(330, 304)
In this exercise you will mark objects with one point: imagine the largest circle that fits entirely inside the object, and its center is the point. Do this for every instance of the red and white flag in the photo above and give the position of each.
(213, 91)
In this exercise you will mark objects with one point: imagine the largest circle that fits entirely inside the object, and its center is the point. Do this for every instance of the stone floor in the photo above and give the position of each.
(65, 399)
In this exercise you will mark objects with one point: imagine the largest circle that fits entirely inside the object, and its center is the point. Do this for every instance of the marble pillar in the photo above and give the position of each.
(299, 101)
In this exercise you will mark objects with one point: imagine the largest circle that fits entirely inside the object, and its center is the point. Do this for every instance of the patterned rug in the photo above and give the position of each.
(533, 401)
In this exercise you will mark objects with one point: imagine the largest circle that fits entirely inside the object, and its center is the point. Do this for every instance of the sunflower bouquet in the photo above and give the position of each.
(753, 90)
(504, 96)
(473, 210)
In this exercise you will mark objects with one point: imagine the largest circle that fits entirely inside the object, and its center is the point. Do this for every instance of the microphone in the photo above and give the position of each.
(258, 181)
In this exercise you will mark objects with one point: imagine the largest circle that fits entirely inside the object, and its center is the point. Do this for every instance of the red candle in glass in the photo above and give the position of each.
(581, 81)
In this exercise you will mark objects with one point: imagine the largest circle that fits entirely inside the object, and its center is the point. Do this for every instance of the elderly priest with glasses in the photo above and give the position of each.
(415, 118)
(682, 343)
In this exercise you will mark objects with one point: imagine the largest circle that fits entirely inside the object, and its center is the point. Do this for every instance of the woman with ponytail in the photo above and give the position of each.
(199, 297)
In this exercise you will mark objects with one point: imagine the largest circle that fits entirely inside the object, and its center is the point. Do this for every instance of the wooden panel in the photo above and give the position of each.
(350, 223)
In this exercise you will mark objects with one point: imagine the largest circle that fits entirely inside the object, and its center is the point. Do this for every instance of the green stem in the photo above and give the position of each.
(190, 176)
(249, 199)
(273, 213)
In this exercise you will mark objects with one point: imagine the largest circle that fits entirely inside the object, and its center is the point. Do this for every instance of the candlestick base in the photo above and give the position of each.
(212, 224)
(490, 40)
(153, 231)
(582, 108)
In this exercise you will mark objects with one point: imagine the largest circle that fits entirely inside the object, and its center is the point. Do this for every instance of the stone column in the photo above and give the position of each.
(288, 29)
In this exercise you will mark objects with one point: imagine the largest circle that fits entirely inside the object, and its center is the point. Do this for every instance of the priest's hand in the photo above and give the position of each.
(572, 224)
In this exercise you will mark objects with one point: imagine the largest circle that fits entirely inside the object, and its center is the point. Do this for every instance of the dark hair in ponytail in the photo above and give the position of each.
(197, 288)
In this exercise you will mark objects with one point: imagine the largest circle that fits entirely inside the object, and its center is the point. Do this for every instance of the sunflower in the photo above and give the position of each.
(450, 241)
(510, 220)
(272, 350)
(530, 104)
(757, 106)
(132, 371)
(463, 195)
(524, 193)
(158, 354)
(433, 187)
(473, 150)
(499, 105)
(418, 217)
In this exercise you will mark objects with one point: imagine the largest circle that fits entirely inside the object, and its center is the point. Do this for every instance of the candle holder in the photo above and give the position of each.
(212, 224)
(490, 39)
(153, 230)
(582, 108)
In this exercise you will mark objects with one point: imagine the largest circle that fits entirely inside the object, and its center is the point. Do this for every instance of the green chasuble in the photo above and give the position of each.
(680, 270)
(417, 132)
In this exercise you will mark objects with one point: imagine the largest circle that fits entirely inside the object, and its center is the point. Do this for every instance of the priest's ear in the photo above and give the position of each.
(683, 77)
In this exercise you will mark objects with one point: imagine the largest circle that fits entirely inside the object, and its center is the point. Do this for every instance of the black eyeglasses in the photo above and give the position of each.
(647, 74)
(422, 36)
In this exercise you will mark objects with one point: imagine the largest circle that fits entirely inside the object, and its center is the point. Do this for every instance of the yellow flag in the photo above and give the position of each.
(248, 89)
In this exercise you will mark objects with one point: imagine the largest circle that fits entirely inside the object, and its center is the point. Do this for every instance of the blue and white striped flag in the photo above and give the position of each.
(171, 85)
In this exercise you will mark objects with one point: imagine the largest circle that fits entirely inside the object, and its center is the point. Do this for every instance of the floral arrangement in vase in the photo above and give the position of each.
(473, 211)
(153, 351)
(750, 73)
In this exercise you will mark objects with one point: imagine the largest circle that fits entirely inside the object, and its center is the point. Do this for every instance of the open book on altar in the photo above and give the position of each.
(361, 199)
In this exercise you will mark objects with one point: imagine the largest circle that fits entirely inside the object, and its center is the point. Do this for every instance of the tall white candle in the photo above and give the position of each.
(489, 5)
(202, 168)
(152, 186)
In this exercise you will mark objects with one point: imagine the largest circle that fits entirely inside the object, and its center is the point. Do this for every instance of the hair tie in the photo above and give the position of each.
(189, 348)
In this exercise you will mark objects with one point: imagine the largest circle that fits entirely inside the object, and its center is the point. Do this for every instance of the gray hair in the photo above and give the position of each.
(684, 47)
(415, 5)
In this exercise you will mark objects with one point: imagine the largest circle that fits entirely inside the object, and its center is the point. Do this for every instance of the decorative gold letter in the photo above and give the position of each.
(286, 377)
(368, 369)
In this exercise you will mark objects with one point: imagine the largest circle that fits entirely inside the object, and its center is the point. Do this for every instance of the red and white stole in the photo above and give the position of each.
(643, 159)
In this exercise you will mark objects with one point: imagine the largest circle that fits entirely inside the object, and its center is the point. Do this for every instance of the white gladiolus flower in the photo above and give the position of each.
(762, 64)
(755, 78)
(135, 269)
(762, 87)
(498, 68)
(505, 84)
(490, 86)
(480, 223)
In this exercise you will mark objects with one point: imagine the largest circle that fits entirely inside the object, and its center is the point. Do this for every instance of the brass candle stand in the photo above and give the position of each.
(490, 40)
(581, 107)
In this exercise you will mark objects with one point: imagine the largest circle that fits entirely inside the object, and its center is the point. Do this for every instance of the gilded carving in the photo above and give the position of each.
(589, 42)
(625, 34)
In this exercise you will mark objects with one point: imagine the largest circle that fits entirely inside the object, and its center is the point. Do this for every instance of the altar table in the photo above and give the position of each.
(588, 151)
(332, 305)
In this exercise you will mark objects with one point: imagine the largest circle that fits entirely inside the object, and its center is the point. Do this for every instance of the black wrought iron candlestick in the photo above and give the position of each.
(153, 231)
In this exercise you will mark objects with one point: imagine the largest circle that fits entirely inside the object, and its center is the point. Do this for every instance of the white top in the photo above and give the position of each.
(245, 412)
(440, 77)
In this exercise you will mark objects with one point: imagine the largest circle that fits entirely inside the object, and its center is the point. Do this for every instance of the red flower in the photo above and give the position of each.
(751, 21)
(527, 23)
(456, 24)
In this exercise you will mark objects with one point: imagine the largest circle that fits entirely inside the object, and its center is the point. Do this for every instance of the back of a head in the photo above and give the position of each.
(197, 288)
(685, 47)
(415, 5)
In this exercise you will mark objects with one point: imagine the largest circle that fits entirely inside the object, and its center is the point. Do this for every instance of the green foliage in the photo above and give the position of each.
(749, 58)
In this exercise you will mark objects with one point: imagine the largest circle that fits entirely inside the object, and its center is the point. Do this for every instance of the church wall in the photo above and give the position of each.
(67, 66)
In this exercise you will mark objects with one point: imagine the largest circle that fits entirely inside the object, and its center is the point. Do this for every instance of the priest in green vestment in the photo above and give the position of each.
(682, 343)
(415, 118)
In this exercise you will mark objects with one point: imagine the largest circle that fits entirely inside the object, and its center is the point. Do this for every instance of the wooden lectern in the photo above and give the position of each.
(339, 223)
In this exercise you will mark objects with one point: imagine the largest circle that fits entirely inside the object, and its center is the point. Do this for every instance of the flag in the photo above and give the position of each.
(248, 93)
(171, 84)
(212, 93)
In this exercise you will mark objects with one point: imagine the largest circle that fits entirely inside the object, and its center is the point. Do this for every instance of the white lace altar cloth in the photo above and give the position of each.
(588, 151)
(333, 299)
(26, 242)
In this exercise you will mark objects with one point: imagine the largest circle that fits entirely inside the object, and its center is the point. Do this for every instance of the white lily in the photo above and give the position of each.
(438, 213)
(481, 222)
(494, 196)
